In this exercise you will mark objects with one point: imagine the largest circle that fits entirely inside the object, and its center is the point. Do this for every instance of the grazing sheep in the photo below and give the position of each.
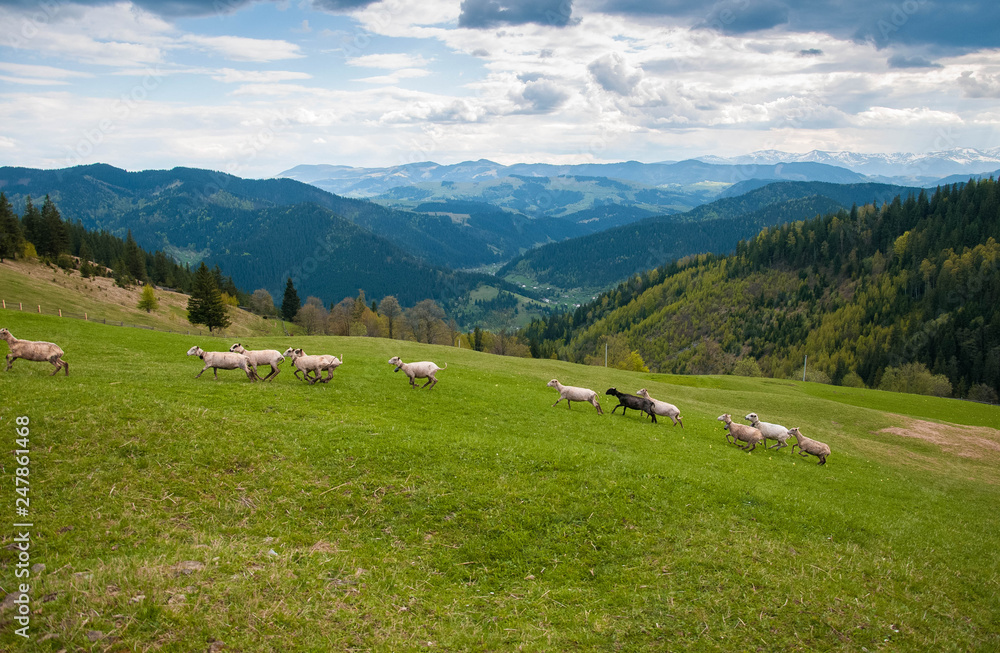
(32, 350)
(741, 432)
(626, 401)
(663, 408)
(315, 364)
(257, 357)
(222, 360)
(769, 431)
(421, 370)
(572, 393)
(809, 446)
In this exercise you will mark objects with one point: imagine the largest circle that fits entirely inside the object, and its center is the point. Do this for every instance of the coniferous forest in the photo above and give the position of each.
(915, 281)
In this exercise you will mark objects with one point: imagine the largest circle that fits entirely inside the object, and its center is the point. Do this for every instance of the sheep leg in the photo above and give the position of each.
(216, 371)
(803, 453)
(616, 408)
(654, 417)
(55, 361)
(429, 381)
(329, 375)
(10, 361)
(822, 460)
(779, 445)
(597, 405)
(433, 382)
(201, 372)
(557, 401)
(274, 372)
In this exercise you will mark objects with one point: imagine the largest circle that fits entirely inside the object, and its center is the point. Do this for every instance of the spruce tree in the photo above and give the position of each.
(32, 223)
(56, 236)
(135, 259)
(205, 305)
(11, 238)
(290, 304)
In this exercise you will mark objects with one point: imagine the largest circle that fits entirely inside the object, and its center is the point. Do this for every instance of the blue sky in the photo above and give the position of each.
(255, 88)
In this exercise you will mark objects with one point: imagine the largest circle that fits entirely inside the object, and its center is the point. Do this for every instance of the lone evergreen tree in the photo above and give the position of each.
(32, 222)
(205, 305)
(148, 301)
(290, 304)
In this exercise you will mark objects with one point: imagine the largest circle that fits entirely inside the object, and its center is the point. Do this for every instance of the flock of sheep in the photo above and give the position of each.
(751, 435)
(311, 369)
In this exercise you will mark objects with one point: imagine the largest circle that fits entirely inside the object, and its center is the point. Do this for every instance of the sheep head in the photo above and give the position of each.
(237, 348)
(643, 393)
(613, 392)
(726, 418)
(553, 383)
(195, 351)
(751, 417)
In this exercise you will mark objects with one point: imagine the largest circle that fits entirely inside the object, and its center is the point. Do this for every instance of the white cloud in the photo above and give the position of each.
(239, 48)
(395, 77)
(888, 117)
(388, 61)
(231, 76)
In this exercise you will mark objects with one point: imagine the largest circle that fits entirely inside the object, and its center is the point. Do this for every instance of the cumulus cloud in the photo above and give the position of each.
(478, 14)
(539, 96)
(614, 74)
(986, 86)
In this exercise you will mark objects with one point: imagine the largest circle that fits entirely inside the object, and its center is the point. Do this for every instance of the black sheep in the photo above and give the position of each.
(626, 401)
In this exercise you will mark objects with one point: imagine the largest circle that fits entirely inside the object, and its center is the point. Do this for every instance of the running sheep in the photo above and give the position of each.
(740, 432)
(663, 408)
(34, 350)
(626, 401)
(222, 360)
(269, 357)
(315, 364)
(421, 370)
(572, 393)
(809, 446)
(769, 431)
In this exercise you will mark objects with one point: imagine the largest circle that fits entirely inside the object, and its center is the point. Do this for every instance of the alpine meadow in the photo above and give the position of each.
(499, 325)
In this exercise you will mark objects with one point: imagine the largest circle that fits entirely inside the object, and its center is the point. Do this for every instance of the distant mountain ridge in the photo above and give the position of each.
(919, 169)
(368, 182)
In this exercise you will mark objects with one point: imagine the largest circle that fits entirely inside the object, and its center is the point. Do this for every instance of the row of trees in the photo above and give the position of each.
(43, 233)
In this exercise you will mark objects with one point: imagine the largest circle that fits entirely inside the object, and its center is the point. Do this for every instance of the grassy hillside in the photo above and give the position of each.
(31, 284)
(171, 513)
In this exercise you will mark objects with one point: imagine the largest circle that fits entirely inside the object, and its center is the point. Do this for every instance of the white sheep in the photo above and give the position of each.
(809, 446)
(741, 432)
(769, 431)
(222, 360)
(663, 408)
(420, 370)
(257, 357)
(572, 393)
(315, 364)
(34, 350)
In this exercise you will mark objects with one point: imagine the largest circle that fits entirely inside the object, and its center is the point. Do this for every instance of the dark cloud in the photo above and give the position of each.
(479, 14)
(740, 16)
(943, 26)
(903, 61)
(811, 52)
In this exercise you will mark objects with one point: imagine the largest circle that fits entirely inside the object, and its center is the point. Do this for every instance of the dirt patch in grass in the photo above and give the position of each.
(975, 442)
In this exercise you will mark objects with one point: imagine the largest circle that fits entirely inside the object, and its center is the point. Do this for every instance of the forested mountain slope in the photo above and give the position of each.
(604, 258)
(191, 213)
(916, 280)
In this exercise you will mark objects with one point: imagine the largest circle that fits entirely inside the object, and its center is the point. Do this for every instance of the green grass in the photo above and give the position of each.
(364, 515)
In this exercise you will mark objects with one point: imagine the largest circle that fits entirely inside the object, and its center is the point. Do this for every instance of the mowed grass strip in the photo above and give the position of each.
(171, 512)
